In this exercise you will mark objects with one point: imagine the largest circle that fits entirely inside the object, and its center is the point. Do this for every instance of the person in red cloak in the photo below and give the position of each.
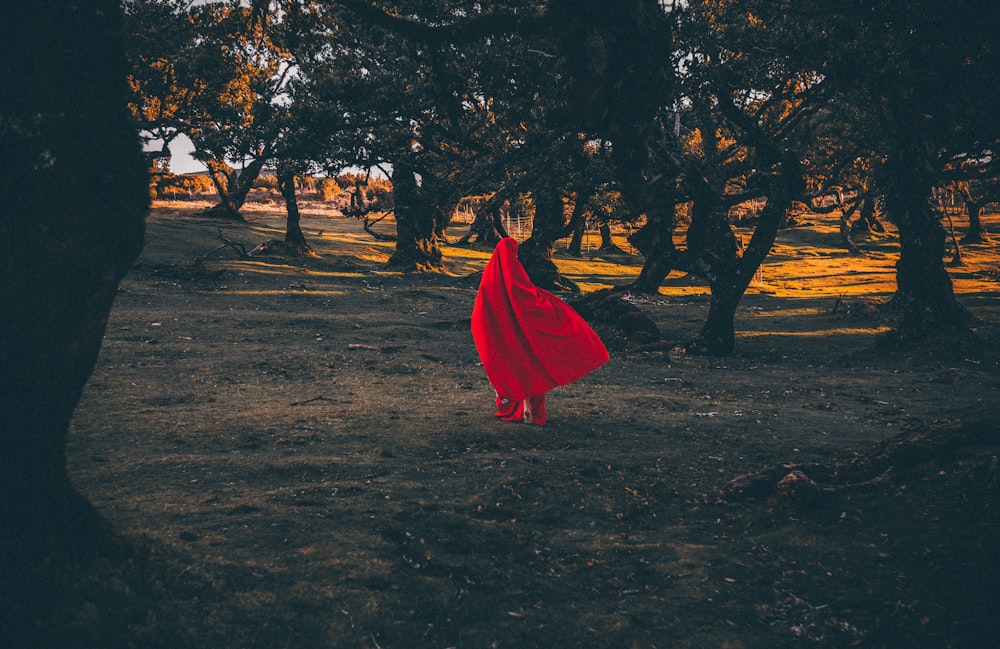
(529, 340)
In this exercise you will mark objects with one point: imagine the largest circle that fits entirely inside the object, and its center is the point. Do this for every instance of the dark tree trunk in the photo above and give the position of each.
(575, 245)
(923, 288)
(868, 221)
(293, 229)
(647, 188)
(729, 273)
(486, 229)
(718, 334)
(63, 255)
(976, 232)
(604, 229)
(233, 188)
(655, 241)
(535, 254)
(608, 245)
(577, 227)
(417, 224)
(974, 208)
(712, 253)
(846, 227)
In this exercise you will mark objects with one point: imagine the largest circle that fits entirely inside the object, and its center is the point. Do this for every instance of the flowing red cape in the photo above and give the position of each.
(529, 340)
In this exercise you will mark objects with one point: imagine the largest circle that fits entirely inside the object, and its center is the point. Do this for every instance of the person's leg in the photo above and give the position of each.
(530, 410)
(507, 409)
(533, 409)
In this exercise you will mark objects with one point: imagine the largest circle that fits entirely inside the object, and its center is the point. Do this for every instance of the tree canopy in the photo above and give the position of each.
(696, 105)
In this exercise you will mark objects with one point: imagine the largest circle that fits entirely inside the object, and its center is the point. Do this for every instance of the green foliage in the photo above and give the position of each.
(703, 104)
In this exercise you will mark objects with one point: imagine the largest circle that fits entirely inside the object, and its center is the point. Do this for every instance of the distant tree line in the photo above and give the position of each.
(644, 111)
(346, 192)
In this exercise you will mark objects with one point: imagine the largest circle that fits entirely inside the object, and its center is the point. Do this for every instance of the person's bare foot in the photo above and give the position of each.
(527, 411)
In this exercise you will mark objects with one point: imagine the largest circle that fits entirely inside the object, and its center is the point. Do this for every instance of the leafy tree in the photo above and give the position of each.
(247, 71)
(238, 97)
(926, 76)
(737, 129)
(298, 31)
(217, 72)
(164, 71)
(550, 75)
(839, 161)
(369, 101)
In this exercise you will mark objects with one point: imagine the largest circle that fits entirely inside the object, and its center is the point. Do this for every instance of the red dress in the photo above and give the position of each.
(529, 340)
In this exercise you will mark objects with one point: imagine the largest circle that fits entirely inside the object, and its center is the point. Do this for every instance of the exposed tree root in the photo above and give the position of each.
(279, 247)
(919, 452)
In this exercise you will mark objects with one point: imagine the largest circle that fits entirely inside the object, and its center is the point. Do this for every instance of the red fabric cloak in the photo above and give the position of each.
(529, 340)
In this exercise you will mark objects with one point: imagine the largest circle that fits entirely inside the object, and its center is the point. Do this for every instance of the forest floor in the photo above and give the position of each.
(301, 453)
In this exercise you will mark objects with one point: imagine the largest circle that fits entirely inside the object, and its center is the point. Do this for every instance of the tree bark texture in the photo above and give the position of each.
(535, 254)
(923, 288)
(728, 272)
(974, 208)
(655, 241)
(486, 229)
(293, 228)
(647, 188)
(64, 125)
(233, 188)
(608, 245)
(417, 224)
(976, 232)
(577, 228)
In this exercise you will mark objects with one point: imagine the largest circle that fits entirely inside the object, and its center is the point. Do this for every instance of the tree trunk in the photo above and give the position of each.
(535, 254)
(717, 336)
(64, 254)
(655, 241)
(846, 227)
(647, 188)
(712, 253)
(923, 288)
(486, 228)
(608, 245)
(575, 245)
(974, 208)
(577, 227)
(869, 220)
(293, 229)
(729, 273)
(233, 188)
(417, 224)
(976, 232)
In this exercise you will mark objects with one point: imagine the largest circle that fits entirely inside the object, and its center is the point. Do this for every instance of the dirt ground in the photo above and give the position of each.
(301, 453)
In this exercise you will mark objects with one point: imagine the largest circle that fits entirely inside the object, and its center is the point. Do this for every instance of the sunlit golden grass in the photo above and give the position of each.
(817, 333)
(806, 261)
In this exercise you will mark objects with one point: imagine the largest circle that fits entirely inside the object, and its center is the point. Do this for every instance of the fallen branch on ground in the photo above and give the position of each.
(902, 455)
(235, 245)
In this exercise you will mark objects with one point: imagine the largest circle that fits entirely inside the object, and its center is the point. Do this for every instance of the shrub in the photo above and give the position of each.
(170, 186)
(329, 189)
